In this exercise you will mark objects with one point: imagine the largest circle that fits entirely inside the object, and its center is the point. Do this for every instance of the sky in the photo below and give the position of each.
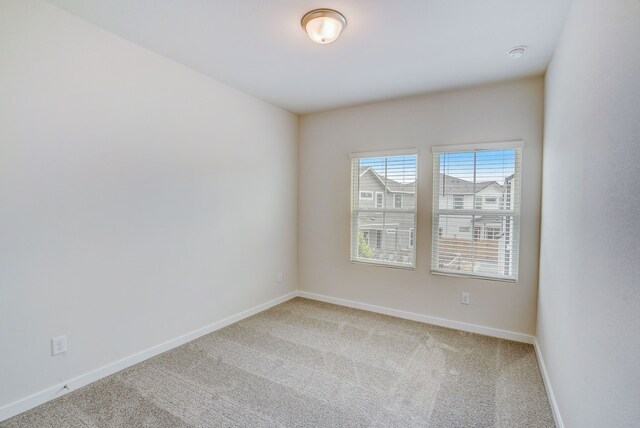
(490, 166)
(400, 168)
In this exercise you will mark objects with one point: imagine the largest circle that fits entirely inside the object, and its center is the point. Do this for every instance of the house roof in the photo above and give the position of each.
(392, 185)
(489, 219)
(460, 186)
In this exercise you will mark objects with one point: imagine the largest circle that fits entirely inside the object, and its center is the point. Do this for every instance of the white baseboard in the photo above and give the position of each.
(472, 328)
(48, 394)
(547, 385)
(442, 322)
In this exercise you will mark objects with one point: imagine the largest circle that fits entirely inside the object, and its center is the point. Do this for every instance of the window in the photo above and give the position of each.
(478, 202)
(379, 200)
(366, 195)
(371, 238)
(378, 239)
(412, 237)
(492, 250)
(492, 232)
(375, 174)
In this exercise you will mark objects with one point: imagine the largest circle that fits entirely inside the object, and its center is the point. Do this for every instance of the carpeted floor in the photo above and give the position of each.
(311, 364)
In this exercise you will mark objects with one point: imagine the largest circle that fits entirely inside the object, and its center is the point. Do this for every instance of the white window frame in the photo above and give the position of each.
(355, 209)
(513, 211)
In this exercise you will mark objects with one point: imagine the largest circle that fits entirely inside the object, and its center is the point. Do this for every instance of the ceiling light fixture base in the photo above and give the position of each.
(323, 25)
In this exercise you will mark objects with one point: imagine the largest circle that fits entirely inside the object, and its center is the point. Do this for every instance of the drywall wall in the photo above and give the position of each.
(500, 112)
(588, 314)
(139, 200)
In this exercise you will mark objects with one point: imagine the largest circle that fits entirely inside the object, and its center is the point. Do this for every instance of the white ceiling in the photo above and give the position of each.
(389, 49)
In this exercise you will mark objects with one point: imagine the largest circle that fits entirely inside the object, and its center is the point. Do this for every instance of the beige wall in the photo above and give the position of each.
(506, 111)
(139, 200)
(589, 303)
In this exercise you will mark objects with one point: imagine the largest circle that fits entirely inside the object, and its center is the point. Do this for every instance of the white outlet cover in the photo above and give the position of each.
(280, 277)
(58, 345)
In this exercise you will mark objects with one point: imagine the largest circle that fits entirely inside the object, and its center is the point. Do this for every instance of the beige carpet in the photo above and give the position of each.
(310, 364)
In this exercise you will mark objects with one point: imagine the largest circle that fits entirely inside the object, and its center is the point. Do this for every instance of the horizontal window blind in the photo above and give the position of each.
(383, 208)
(476, 210)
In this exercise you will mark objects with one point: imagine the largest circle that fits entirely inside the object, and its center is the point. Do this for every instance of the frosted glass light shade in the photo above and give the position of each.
(323, 25)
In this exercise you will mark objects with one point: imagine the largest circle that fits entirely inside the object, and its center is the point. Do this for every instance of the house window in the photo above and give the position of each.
(478, 200)
(366, 195)
(477, 232)
(379, 200)
(372, 176)
(491, 251)
(378, 239)
(493, 232)
(371, 238)
(397, 201)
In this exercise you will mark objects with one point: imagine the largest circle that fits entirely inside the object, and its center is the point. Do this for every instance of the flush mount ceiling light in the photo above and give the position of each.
(517, 52)
(323, 25)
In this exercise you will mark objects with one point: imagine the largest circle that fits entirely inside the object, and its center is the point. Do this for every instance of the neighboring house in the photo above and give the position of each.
(391, 236)
(457, 193)
(491, 233)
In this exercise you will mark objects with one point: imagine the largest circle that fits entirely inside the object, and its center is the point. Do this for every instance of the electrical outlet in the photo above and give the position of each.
(466, 298)
(58, 345)
(280, 277)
